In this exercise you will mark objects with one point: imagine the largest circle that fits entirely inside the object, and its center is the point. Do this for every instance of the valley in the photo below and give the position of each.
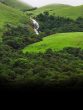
(51, 57)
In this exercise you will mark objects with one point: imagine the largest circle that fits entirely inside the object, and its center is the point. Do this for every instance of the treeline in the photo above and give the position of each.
(31, 9)
(50, 24)
(57, 69)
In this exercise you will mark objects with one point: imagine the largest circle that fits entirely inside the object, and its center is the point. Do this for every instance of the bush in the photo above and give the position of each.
(18, 37)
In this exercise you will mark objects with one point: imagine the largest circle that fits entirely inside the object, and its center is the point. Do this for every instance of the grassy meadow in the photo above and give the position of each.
(10, 15)
(72, 12)
(17, 4)
(57, 42)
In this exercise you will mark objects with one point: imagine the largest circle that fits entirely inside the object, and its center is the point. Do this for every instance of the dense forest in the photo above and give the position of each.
(58, 69)
(50, 24)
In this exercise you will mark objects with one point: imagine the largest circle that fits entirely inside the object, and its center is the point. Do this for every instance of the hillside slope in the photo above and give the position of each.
(61, 10)
(16, 4)
(10, 15)
(57, 42)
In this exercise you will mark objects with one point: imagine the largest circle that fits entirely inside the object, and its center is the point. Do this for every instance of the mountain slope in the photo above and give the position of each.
(57, 42)
(16, 4)
(10, 15)
(61, 10)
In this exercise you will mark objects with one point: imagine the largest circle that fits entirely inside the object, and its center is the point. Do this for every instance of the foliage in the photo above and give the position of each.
(19, 36)
(62, 68)
(50, 24)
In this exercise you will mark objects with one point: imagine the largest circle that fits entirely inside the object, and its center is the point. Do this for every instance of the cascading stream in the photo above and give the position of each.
(35, 25)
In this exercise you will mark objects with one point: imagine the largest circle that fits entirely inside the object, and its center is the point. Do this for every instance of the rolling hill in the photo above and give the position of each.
(10, 15)
(16, 4)
(60, 10)
(56, 42)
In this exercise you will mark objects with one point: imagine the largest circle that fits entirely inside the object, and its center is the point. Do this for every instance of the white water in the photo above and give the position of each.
(36, 25)
(36, 31)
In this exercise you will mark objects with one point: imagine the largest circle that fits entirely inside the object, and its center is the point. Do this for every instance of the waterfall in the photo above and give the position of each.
(35, 25)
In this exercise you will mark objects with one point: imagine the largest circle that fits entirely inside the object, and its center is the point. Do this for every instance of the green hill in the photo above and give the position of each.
(60, 10)
(57, 42)
(16, 4)
(10, 15)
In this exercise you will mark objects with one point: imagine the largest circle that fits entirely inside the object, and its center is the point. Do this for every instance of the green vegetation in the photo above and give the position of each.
(19, 36)
(10, 15)
(27, 59)
(50, 24)
(60, 10)
(49, 69)
(57, 42)
(16, 4)
(63, 68)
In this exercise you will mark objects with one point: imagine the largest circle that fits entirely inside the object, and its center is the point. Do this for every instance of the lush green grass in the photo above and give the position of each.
(57, 42)
(16, 4)
(61, 10)
(10, 15)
